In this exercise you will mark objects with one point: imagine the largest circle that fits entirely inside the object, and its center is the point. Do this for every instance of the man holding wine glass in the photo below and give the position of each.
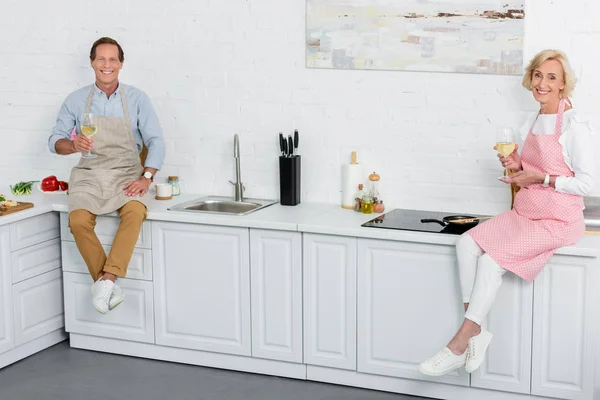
(113, 122)
(554, 170)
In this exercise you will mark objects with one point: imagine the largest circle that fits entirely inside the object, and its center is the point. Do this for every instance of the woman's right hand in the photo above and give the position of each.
(82, 143)
(513, 161)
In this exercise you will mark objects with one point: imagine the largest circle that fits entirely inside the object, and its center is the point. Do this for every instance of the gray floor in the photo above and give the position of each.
(62, 373)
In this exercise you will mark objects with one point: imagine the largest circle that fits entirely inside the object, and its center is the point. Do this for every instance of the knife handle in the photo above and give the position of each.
(285, 147)
(296, 138)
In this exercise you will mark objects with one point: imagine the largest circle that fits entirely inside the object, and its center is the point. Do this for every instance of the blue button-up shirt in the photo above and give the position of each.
(144, 122)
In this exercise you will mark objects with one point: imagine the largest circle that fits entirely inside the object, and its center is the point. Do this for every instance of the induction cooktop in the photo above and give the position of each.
(410, 220)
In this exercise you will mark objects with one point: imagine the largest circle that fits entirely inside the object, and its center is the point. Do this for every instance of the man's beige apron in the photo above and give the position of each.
(96, 184)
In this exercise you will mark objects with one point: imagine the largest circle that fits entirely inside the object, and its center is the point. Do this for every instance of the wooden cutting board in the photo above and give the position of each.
(19, 207)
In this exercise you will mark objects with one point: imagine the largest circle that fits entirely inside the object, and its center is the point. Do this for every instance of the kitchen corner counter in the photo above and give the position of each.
(327, 219)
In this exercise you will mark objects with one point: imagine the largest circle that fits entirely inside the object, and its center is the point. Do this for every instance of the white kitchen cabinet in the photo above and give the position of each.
(38, 306)
(106, 229)
(276, 290)
(409, 307)
(507, 364)
(566, 318)
(34, 230)
(140, 266)
(132, 320)
(202, 287)
(330, 301)
(7, 337)
(35, 260)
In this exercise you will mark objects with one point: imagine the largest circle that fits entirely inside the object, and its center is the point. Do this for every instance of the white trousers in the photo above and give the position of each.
(480, 278)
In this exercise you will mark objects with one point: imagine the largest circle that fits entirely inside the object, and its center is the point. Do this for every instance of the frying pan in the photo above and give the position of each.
(447, 221)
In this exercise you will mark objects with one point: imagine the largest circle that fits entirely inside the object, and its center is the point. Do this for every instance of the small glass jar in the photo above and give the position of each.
(378, 207)
(174, 181)
(358, 198)
(367, 205)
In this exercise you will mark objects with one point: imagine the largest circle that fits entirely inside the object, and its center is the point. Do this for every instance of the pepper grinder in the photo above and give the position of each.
(374, 186)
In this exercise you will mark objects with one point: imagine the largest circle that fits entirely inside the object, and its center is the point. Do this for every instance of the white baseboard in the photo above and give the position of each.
(409, 386)
(32, 347)
(291, 370)
(185, 356)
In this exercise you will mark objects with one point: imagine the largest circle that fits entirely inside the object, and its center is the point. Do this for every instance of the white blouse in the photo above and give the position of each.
(578, 148)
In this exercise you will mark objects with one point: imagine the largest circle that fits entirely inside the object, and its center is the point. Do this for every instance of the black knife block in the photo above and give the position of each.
(289, 180)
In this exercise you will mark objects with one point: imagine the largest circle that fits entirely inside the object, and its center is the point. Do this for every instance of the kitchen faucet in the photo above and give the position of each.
(239, 187)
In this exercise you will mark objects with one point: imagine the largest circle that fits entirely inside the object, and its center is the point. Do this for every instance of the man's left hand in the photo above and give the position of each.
(134, 188)
(524, 178)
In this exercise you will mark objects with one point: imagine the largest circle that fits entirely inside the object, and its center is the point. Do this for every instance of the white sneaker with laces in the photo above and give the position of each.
(476, 350)
(442, 363)
(101, 292)
(116, 298)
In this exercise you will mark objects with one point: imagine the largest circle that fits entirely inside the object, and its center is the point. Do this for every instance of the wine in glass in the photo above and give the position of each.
(89, 127)
(505, 143)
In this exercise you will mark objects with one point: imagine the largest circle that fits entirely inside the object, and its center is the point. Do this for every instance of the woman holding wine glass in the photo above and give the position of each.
(554, 170)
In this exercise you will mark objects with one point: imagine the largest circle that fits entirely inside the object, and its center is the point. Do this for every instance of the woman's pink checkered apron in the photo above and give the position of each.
(523, 239)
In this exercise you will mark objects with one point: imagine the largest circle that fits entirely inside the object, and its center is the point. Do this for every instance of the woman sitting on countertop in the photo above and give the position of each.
(554, 171)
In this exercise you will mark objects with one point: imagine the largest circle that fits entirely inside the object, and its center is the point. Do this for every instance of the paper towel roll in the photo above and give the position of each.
(352, 175)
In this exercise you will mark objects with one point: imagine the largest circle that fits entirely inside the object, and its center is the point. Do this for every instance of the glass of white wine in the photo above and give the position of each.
(505, 143)
(89, 127)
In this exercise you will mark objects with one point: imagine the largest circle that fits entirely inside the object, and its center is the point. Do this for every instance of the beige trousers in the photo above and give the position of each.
(82, 224)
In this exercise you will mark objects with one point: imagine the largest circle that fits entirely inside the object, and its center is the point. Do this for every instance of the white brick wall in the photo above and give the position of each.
(215, 68)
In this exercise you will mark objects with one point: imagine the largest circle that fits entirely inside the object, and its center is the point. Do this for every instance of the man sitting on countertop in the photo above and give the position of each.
(114, 179)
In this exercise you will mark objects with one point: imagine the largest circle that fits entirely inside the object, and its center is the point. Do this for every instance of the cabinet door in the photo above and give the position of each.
(35, 260)
(202, 300)
(507, 364)
(34, 230)
(330, 301)
(7, 338)
(106, 229)
(409, 307)
(566, 317)
(276, 290)
(131, 320)
(38, 304)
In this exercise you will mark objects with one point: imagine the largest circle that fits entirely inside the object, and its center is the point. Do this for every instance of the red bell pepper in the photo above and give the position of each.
(50, 184)
(63, 185)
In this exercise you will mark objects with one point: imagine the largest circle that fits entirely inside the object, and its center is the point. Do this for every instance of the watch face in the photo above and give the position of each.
(147, 175)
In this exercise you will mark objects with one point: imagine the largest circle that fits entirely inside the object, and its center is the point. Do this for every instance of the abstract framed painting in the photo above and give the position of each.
(479, 36)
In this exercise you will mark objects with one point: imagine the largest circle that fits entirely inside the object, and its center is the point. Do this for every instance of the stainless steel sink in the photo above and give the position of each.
(591, 214)
(222, 205)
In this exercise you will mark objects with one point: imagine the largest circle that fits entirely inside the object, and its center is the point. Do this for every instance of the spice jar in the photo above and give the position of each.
(174, 181)
(367, 205)
(358, 198)
(378, 207)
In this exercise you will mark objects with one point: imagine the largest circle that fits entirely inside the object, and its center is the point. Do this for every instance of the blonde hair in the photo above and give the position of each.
(545, 55)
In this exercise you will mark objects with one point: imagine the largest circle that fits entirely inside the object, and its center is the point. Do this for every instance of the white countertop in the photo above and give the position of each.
(325, 219)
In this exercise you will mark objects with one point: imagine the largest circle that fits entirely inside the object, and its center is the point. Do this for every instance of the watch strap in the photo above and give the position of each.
(546, 181)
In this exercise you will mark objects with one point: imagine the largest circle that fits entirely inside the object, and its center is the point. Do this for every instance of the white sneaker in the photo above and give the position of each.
(101, 292)
(442, 363)
(476, 350)
(116, 298)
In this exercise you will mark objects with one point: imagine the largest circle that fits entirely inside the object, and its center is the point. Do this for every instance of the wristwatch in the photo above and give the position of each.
(148, 175)
(546, 181)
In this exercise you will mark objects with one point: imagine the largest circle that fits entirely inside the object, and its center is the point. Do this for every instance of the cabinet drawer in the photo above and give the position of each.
(106, 229)
(38, 306)
(140, 266)
(35, 260)
(132, 320)
(34, 230)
